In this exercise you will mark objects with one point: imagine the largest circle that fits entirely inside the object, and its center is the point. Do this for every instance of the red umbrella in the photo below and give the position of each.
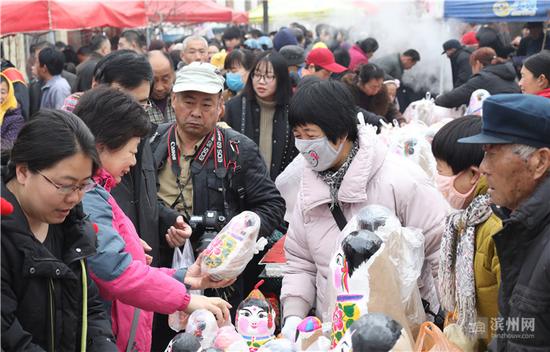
(45, 15)
(187, 11)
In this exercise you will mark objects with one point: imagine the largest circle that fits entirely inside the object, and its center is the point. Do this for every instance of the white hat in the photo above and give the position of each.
(200, 77)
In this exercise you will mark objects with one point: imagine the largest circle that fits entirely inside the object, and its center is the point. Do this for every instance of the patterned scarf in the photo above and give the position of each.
(456, 266)
(334, 178)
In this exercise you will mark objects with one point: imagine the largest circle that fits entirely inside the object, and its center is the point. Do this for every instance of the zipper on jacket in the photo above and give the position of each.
(84, 333)
(51, 290)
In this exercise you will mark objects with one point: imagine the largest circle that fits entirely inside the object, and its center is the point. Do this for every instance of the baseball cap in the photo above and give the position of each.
(514, 119)
(451, 44)
(324, 58)
(200, 77)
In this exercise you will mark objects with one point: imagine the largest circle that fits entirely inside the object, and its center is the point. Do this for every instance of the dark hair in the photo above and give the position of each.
(341, 56)
(175, 57)
(59, 45)
(135, 37)
(125, 67)
(216, 43)
(283, 90)
(42, 45)
(70, 55)
(84, 50)
(358, 247)
(458, 156)
(232, 32)
(114, 117)
(51, 136)
(413, 54)
(4, 79)
(52, 59)
(97, 41)
(242, 57)
(327, 104)
(368, 72)
(539, 64)
(157, 44)
(369, 45)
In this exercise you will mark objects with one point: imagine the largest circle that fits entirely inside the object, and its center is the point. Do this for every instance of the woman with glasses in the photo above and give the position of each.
(132, 288)
(49, 301)
(261, 111)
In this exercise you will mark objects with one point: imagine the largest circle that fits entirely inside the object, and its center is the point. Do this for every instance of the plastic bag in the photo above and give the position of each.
(430, 338)
(183, 258)
(183, 342)
(204, 326)
(233, 247)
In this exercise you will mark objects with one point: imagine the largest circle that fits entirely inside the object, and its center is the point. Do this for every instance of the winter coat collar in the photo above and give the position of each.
(364, 166)
(535, 211)
(78, 241)
(544, 93)
(105, 179)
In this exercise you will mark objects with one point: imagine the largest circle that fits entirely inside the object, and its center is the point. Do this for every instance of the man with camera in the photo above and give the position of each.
(210, 174)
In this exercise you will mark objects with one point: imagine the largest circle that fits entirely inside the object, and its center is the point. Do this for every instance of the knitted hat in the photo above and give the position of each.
(284, 37)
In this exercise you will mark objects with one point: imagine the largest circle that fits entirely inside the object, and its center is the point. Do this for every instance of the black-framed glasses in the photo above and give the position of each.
(87, 187)
(268, 78)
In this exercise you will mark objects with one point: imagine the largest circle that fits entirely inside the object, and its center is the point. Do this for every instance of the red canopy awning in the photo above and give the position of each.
(187, 11)
(44, 15)
(240, 17)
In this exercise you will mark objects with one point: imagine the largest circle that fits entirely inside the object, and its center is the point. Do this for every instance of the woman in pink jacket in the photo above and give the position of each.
(131, 289)
(347, 168)
(361, 52)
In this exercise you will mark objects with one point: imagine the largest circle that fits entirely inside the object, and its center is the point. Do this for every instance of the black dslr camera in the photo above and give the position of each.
(208, 224)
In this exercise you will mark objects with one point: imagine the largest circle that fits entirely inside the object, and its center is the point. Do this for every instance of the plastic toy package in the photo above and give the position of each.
(203, 325)
(233, 247)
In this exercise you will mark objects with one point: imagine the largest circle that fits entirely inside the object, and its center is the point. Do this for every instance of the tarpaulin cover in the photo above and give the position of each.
(187, 11)
(43, 15)
(498, 11)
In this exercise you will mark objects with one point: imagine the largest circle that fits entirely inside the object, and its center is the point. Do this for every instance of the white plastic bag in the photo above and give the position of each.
(233, 247)
(183, 258)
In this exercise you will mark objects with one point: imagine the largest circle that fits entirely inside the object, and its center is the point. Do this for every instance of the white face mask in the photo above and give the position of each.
(319, 154)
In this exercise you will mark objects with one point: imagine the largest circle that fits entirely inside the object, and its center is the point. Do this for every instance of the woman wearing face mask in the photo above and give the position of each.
(261, 111)
(346, 167)
(237, 66)
(49, 301)
(535, 75)
(132, 288)
(490, 72)
(469, 271)
(370, 93)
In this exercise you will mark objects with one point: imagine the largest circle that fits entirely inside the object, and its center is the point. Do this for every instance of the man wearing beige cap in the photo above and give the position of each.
(215, 173)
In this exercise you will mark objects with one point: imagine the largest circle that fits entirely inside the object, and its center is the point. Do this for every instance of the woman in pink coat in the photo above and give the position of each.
(132, 290)
(347, 168)
(361, 52)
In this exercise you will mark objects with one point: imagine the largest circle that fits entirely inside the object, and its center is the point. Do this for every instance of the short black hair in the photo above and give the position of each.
(458, 156)
(232, 32)
(539, 64)
(341, 56)
(135, 37)
(368, 45)
(327, 104)
(283, 90)
(370, 71)
(97, 41)
(59, 45)
(413, 54)
(51, 136)
(84, 50)
(43, 44)
(52, 59)
(242, 57)
(125, 67)
(114, 117)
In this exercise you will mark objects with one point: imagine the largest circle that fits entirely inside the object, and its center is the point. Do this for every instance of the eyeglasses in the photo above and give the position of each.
(267, 78)
(87, 187)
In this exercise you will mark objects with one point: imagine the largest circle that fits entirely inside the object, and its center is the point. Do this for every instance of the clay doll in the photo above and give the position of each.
(255, 319)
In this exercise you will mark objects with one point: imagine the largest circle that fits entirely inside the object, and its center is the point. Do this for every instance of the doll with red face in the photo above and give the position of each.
(255, 319)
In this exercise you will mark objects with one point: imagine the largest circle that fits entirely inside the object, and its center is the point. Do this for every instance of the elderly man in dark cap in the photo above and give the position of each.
(460, 61)
(516, 139)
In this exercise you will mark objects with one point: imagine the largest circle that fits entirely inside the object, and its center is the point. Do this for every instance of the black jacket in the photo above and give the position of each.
(137, 197)
(490, 37)
(283, 149)
(495, 79)
(250, 188)
(28, 270)
(460, 66)
(523, 248)
(85, 72)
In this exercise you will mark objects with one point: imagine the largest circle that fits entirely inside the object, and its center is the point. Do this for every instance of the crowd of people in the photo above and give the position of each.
(141, 150)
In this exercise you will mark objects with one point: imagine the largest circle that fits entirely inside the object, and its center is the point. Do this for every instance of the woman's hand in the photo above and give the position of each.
(200, 281)
(215, 305)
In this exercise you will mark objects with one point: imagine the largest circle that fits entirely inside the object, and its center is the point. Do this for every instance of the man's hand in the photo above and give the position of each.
(178, 233)
(147, 248)
(200, 281)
